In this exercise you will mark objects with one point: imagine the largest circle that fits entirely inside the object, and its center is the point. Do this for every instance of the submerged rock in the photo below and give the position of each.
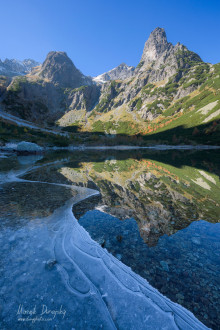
(50, 264)
(164, 265)
(101, 241)
(196, 240)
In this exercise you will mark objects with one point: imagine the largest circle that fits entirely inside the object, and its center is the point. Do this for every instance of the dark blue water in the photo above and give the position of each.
(185, 266)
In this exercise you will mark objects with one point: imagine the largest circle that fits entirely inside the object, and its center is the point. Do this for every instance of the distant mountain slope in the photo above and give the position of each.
(122, 71)
(14, 67)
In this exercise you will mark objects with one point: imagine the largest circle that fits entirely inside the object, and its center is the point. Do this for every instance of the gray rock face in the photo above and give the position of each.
(59, 69)
(123, 71)
(16, 68)
(83, 98)
(155, 46)
(161, 60)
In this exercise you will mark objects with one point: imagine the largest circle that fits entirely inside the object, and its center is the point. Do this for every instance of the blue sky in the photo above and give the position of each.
(100, 34)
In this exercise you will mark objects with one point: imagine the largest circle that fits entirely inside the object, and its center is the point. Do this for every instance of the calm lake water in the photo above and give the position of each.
(157, 211)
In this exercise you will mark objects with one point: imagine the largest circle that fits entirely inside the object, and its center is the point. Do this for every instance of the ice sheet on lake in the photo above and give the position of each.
(95, 289)
(131, 302)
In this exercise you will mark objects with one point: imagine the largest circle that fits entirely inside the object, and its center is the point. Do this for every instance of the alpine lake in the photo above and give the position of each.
(157, 211)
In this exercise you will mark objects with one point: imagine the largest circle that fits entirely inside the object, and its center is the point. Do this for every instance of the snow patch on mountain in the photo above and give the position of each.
(121, 72)
(16, 68)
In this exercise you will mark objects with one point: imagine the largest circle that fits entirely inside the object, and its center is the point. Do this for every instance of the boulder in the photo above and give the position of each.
(28, 148)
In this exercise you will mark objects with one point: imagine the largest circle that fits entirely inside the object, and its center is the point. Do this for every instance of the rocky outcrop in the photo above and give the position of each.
(121, 72)
(14, 67)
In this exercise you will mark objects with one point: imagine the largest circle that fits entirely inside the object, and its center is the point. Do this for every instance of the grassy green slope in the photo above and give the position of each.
(194, 117)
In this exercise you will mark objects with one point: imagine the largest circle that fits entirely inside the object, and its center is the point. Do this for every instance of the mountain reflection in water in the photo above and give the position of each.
(157, 212)
(162, 198)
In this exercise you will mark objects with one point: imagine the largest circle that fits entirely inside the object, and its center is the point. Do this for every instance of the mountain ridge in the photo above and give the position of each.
(169, 87)
(122, 71)
(13, 67)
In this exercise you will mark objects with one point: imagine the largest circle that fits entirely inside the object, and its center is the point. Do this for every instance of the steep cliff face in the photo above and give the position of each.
(155, 46)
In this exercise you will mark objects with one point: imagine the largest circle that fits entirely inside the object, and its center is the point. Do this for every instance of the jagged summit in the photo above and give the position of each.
(59, 69)
(158, 36)
(161, 59)
(155, 46)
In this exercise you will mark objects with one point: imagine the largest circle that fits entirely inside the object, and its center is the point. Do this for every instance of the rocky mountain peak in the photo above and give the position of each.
(29, 64)
(158, 36)
(123, 65)
(59, 69)
(122, 71)
(13, 67)
(155, 46)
